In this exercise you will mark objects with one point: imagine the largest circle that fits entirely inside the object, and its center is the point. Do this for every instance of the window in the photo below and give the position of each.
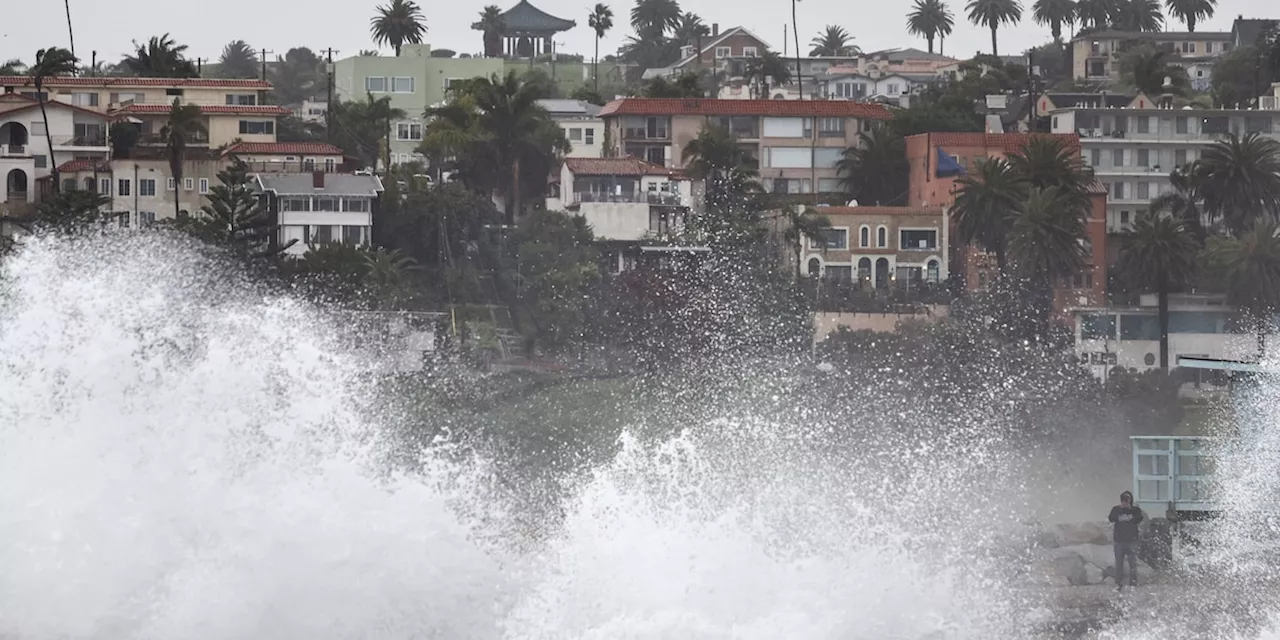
(932, 272)
(864, 236)
(402, 85)
(1180, 124)
(329, 164)
(917, 239)
(830, 185)
(1179, 157)
(1215, 125)
(827, 157)
(69, 184)
(749, 52)
(1144, 157)
(831, 127)
(146, 186)
(124, 219)
(168, 184)
(1117, 157)
(259, 127)
(1097, 326)
(891, 89)
(173, 92)
(1257, 124)
(375, 84)
(326, 203)
(882, 238)
(1188, 47)
(323, 234)
(359, 205)
(85, 99)
(1144, 124)
(353, 235)
(408, 131)
(204, 185)
(1124, 219)
(41, 161)
(839, 273)
(831, 239)
(790, 157)
(1095, 157)
(1139, 327)
(1208, 47)
(295, 204)
(723, 52)
(242, 99)
(575, 134)
(122, 187)
(188, 184)
(589, 135)
(146, 218)
(1144, 190)
(1118, 190)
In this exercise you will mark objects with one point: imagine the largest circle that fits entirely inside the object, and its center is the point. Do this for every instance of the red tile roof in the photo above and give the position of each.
(285, 148)
(105, 81)
(1006, 142)
(721, 107)
(74, 166)
(624, 166)
(1096, 188)
(13, 103)
(212, 109)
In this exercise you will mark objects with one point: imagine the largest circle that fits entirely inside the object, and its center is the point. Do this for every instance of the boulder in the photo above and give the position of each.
(1071, 567)
(1093, 574)
(1097, 554)
(1070, 534)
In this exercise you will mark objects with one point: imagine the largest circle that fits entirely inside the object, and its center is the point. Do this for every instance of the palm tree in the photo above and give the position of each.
(1095, 15)
(398, 23)
(491, 25)
(1138, 15)
(14, 67)
(1191, 11)
(389, 273)
(1045, 244)
(690, 28)
(986, 204)
(1054, 13)
(1239, 178)
(875, 169)
(600, 21)
(1046, 162)
(931, 19)
(1251, 266)
(160, 57)
(653, 18)
(50, 62)
(1181, 202)
(765, 70)
(1146, 68)
(833, 41)
(238, 60)
(183, 125)
(992, 14)
(1160, 254)
(715, 157)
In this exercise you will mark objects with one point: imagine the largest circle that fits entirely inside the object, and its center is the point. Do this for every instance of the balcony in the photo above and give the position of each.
(631, 198)
(13, 150)
(155, 139)
(97, 140)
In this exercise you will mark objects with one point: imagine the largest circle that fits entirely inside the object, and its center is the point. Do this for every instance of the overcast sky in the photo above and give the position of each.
(344, 25)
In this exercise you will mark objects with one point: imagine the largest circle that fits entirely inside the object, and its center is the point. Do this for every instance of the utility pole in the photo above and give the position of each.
(1031, 93)
(262, 57)
(200, 67)
(93, 64)
(328, 106)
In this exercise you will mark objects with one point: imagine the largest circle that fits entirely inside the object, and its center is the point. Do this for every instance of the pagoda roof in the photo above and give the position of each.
(525, 17)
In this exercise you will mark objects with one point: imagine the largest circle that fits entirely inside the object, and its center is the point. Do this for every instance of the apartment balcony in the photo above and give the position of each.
(13, 150)
(92, 141)
(632, 198)
(656, 134)
(155, 139)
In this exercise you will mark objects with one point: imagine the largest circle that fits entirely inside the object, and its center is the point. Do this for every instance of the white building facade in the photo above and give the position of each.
(314, 209)
(25, 154)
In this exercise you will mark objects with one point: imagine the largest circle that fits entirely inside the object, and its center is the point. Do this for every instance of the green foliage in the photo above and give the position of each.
(297, 76)
(124, 137)
(72, 211)
(361, 128)
(234, 217)
(875, 170)
(398, 23)
(834, 40)
(685, 85)
(239, 60)
(993, 14)
(930, 19)
(1237, 76)
(555, 267)
(1146, 67)
(160, 57)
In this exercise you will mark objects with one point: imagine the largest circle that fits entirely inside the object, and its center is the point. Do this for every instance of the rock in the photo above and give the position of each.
(1070, 534)
(1094, 575)
(1072, 568)
(1097, 554)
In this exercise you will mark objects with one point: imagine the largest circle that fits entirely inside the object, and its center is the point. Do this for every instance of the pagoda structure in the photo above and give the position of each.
(527, 31)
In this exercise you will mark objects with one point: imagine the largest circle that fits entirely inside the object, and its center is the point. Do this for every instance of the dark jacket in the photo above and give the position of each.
(1126, 520)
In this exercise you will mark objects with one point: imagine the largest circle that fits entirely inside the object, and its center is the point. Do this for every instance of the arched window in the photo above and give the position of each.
(864, 268)
(882, 273)
(815, 267)
(882, 237)
(864, 236)
(932, 272)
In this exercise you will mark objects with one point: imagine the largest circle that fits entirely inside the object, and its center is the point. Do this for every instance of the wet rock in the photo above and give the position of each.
(1093, 574)
(1071, 567)
(1070, 534)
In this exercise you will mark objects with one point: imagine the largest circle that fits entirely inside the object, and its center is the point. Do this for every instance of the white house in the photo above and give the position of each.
(321, 208)
(1129, 337)
(287, 157)
(25, 154)
(855, 86)
(582, 127)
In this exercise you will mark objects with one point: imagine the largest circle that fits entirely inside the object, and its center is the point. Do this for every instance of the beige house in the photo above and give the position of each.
(879, 247)
(224, 124)
(1096, 56)
(287, 157)
(103, 93)
(140, 189)
(796, 143)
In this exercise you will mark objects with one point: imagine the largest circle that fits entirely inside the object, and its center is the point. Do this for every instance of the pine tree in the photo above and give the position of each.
(235, 217)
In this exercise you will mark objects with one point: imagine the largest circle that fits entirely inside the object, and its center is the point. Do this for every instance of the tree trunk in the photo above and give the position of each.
(1162, 296)
(942, 40)
(995, 50)
(514, 200)
(595, 67)
(929, 39)
(53, 162)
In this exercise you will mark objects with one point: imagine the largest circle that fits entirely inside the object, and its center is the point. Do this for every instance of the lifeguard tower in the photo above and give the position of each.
(1173, 475)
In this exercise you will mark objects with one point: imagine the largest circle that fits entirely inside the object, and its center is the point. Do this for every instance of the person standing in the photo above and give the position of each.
(1126, 517)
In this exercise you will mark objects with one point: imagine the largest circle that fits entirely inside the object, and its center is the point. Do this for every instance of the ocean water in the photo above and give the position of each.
(183, 455)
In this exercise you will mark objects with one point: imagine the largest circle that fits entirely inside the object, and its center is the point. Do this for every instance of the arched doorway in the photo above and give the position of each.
(13, 136)
(882, 273)
(815, 267)
(15, 186)
(864, 270)
(931, 272)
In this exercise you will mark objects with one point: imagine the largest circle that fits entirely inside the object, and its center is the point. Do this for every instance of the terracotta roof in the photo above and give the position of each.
(115, 81)
(1006, 142)
(212, 109)
(877, 211)
(624, 166)
(285, 148)
(1096, 188)
(74, 166)
(13, 103)
(722, 107)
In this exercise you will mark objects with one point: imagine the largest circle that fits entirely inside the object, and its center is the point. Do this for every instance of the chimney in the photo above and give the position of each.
(317, 179)
(715, 29)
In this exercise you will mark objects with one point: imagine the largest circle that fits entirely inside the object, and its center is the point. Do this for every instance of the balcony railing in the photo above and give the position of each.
(635, 197)
(92, 140)
(16, 196)
(157, 139)
(299, 167)
(13, 149)
(646, 133)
